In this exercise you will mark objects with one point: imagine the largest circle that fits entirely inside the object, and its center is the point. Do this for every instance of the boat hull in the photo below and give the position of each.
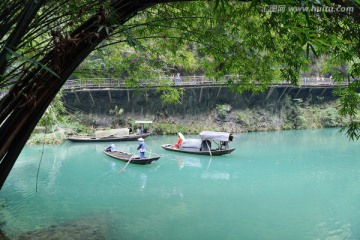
(107, 139)
(125, 157)
(171, 147)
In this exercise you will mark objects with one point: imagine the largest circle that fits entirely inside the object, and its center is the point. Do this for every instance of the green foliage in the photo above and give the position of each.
(80, 123)
(349, 98)
(352, 130)
(244, 118)
(241, 39)
(63, 125)
(213, 37)
(291, 110)
(350, 101)
(53, 116)
(46, 138)
(117, 111)
(117, 120)
(170, 95)
(251, 119)
(290, 114)
(222, 110)
(81, 129)
(170, 128)
(222, 37)
(331, 118)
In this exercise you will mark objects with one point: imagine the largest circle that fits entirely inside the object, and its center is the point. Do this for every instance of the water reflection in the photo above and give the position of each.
(205, 163)
(184, 161)
(216, 175)
(143, 180)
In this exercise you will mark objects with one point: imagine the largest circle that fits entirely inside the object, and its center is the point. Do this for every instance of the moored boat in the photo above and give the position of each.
(130, 137)
(126, 157)
(210, 143)
(111, 135)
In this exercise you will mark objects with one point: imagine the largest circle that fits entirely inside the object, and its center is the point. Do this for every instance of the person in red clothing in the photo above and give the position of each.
(179, 141)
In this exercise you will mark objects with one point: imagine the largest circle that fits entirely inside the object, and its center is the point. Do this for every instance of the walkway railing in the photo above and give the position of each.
(186, 81)
(103, 83)
(92, 83)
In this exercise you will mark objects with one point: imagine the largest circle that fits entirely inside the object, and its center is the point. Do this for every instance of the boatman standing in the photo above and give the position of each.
(141, 148)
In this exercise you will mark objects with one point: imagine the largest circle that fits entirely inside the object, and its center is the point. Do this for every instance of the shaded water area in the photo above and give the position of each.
(275, 185)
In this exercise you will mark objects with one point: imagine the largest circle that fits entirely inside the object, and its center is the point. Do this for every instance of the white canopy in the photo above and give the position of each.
(118, 132)
(191, 143)
(219, 136)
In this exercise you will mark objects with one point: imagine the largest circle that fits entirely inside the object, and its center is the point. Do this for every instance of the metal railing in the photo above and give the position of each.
(120, 83)
(186, 81)
(104, 83)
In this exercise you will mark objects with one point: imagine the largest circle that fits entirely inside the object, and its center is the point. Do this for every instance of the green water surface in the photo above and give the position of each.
(275, 185)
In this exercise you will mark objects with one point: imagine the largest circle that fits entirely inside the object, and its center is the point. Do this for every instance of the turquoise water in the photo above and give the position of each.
(275, 185)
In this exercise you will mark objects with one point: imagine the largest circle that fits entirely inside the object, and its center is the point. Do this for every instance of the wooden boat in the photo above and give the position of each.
(126, 157)
(111, 138)
(112, 135)
(204, 146)
(214, 152)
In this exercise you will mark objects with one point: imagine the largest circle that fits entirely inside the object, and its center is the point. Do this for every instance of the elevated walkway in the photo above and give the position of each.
(96, 84)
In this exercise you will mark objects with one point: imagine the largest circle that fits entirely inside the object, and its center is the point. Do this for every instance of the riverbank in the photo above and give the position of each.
(285, 114)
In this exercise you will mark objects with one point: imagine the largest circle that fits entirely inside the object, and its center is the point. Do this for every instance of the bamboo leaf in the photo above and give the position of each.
(8, 56)
(32, 62)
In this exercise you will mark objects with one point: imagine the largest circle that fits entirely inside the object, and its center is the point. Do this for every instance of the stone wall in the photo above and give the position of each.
(199, 100)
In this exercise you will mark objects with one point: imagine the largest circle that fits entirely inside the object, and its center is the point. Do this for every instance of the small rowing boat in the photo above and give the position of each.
(126, 157)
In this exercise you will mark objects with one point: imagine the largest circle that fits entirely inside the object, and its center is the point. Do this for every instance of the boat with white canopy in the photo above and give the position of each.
(210, 143)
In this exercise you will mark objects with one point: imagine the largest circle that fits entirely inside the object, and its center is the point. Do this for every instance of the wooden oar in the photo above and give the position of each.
(123, 169)
(209, 148)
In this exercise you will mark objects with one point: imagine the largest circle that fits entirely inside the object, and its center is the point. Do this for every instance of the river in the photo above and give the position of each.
(276, 185)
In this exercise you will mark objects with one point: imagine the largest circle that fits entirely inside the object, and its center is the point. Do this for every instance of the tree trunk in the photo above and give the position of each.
(22, 107)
